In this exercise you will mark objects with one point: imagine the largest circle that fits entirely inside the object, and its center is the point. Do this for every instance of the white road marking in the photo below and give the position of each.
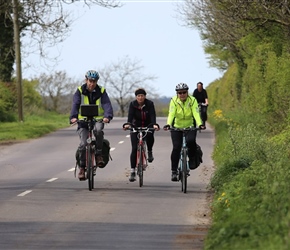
(25, 193)
(72, 169)
(52, 179)
(112, 149)
(120, 142)
(127, 135)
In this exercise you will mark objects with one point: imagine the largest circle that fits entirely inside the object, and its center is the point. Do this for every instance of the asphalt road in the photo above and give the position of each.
(43, 206)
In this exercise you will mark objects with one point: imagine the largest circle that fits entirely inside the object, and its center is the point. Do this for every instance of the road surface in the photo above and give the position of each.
(43, 206)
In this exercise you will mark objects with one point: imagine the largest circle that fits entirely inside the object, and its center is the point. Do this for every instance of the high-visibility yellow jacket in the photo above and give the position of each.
(183, 114)
(85, 100)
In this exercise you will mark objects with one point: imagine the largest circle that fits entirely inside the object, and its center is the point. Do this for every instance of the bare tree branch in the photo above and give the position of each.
(122, 78)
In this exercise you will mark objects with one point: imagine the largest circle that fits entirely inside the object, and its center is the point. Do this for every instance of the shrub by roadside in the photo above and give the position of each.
(251, 202)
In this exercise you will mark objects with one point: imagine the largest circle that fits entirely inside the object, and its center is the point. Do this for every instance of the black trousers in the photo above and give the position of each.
(176, 137)
(134, 140)
(203, 114)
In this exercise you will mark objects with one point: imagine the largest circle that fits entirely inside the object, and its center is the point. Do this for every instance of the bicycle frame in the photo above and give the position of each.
(90, 151)
(183, 163)
(183, 167)
(90, 154)
(142, 159)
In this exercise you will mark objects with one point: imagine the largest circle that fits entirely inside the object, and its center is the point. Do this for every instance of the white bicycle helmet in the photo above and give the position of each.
(181, 86)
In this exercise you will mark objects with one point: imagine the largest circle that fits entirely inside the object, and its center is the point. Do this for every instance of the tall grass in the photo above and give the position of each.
(252, 180)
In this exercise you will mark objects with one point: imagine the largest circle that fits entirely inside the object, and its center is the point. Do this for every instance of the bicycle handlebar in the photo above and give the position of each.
(138, 129)
(184, 129)
(87, 121)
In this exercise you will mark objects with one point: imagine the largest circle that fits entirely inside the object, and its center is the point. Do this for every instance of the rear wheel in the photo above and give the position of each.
(90, 170)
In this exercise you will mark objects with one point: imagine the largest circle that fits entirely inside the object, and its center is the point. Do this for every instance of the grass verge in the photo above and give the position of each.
(34, 126)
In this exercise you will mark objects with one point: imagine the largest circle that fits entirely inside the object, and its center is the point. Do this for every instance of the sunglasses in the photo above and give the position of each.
(182, 93)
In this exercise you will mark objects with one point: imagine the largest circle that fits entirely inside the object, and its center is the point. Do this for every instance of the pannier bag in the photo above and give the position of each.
(199, 154)
(106, 152)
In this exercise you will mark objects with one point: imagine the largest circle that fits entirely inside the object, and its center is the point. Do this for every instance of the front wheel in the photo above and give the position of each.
(140, 166)
(184, 172)
(90, 169)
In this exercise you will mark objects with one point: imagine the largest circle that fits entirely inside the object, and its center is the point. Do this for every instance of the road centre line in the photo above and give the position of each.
(120, 142)
(25, 193)
(52, 179)
(72, 169)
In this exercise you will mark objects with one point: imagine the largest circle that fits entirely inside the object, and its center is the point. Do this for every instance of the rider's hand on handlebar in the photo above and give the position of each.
(106, 120)
(73, 120)
(156, 127)
(202, 127)
(127, 126)
(166, 127)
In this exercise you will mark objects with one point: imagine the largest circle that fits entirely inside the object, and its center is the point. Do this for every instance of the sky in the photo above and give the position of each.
(148, 31)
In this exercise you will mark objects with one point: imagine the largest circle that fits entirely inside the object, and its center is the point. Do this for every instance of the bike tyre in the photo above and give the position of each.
(90, 174)
(140, 166)
(184, 172)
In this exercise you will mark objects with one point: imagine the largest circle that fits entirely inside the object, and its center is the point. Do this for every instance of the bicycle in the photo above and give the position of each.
(142, 153)
(89, 111)
(183, 166)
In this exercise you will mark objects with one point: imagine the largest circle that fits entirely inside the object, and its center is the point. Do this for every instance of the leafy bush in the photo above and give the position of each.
(7, 102)
(251, 182)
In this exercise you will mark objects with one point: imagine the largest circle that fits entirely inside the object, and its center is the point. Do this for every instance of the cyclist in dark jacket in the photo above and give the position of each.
(141, 114)
(200, 95)
(90, 93)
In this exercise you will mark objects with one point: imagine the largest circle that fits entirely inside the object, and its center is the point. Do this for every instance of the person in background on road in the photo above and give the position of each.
(90, 93)
(141, 114)
(200, 95)
(183, 113)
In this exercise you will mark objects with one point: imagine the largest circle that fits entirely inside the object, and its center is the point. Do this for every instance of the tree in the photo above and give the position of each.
(6, 44)
(46, 22)
(223, 24)
(122, 78)
(54, 88)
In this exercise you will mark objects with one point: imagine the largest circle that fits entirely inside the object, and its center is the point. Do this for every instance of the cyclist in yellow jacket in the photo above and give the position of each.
(183, 113)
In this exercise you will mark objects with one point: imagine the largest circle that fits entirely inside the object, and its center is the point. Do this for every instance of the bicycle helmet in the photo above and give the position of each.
(181, 86)
(93, 75)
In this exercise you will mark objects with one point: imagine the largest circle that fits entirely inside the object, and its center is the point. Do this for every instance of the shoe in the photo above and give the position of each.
(132, 177)
(192, 163)
(174, 176)
(99, 161)
(150, 156)
(81, 174)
